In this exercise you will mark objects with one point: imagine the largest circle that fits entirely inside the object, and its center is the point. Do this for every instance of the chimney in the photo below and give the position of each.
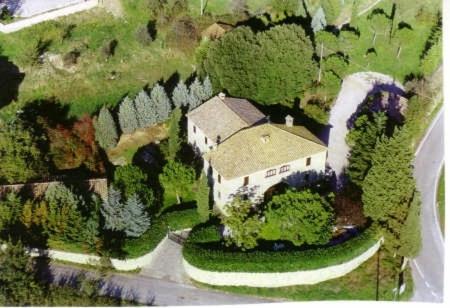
(221, 95)
(289, 121)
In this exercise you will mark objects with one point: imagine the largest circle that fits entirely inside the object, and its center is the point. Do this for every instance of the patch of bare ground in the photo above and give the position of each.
(130, 143)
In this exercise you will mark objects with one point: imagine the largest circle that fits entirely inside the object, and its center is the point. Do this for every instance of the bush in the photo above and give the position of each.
(203, 250)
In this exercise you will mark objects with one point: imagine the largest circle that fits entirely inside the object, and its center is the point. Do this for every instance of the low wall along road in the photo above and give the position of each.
(275, 280)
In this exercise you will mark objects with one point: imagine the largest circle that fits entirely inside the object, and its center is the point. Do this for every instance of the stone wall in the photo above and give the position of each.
(275, 280)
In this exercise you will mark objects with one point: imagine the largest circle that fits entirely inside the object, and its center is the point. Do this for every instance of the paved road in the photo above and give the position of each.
(428, 267)
(157, 292)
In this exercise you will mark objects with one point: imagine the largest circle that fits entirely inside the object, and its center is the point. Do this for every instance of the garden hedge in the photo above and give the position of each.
(204, 250)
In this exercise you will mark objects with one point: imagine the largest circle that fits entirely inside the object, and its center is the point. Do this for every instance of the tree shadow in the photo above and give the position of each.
(10, 80)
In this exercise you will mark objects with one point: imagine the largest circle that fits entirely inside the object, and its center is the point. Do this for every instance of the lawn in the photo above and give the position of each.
(95, 79)
(361, 284)
(441, 200)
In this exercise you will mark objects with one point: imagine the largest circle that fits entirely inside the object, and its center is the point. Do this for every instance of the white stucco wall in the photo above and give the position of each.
(122, 265)
(259, 183)
(275, 280)
(197, 138)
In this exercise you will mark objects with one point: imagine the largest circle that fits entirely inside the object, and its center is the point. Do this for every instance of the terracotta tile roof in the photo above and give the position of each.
(262, 147)
(219, 119)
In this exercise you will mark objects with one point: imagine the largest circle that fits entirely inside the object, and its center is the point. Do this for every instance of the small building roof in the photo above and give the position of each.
(261, 147)
(219, 118)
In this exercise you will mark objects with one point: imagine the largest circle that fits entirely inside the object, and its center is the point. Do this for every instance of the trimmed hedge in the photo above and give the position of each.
(176, 220)
(204, 250)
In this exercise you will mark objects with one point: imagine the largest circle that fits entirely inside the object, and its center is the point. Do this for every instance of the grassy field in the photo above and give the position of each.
(95, 80)
(441, 200)
(361, 284)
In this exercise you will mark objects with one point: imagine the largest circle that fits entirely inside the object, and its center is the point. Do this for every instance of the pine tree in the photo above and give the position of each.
(135, 218)
(389, 186)
(196, 94)
(146, 112)
(105, 129)
(207, 88)
(162, 102)
(174, 141)
(128, 116)
(112, 211)
(180, 95)
(27, 214)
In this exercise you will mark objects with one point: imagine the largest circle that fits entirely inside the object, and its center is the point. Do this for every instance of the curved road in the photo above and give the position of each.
(428, 267)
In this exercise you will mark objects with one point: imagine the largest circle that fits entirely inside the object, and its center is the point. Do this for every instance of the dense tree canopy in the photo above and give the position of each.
(273, 66)
(301, 217)
(131, 180)
(20, 157)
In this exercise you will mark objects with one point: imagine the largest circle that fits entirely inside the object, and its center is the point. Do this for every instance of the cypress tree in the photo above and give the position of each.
(174, 141)
(135, 218)
(146, 112)
(106, 129)
(196, 94)
(389, 186)
(161, 101)
(128, 116)
(180, 95)
(112, 211)
(207, 88)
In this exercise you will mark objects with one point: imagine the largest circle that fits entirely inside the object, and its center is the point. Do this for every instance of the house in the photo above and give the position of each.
(244, 153)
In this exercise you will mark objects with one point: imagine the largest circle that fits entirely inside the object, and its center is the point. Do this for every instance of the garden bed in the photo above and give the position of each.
(204, 250)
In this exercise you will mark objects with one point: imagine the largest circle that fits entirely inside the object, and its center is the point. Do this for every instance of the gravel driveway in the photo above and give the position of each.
(354, 90)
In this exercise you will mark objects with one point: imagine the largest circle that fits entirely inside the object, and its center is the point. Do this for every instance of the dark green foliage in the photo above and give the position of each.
(203, 250)
(19, 285)
(389, 186)
(301, 217)
(285, 6)
(362, 138)
(174, 142)
(202, 197)
(264, 66)
(21, 159)
(130, 180)
(10, 210)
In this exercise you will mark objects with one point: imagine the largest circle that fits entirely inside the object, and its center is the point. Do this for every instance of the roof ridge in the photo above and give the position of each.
(276, 125)
(240, 118)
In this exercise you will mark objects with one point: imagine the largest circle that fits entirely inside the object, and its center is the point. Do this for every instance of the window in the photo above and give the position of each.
(285, 168)
(206, 140)
(219, 178)
(308, 161)
(246, 180)
(195, 129)
(271, 172)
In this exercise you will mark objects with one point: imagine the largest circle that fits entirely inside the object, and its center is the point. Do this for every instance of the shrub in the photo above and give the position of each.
(203, 250)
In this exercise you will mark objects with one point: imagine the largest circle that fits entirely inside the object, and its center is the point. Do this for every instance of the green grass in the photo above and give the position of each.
(70, 246)
(90, 86)
(357, 285)
(441, 200)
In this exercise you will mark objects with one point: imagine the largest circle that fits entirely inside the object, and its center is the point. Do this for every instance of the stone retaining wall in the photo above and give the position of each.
(275, 280)
(27, 22)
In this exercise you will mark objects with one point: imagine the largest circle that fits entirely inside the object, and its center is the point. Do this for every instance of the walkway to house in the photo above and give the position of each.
(167, 264)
